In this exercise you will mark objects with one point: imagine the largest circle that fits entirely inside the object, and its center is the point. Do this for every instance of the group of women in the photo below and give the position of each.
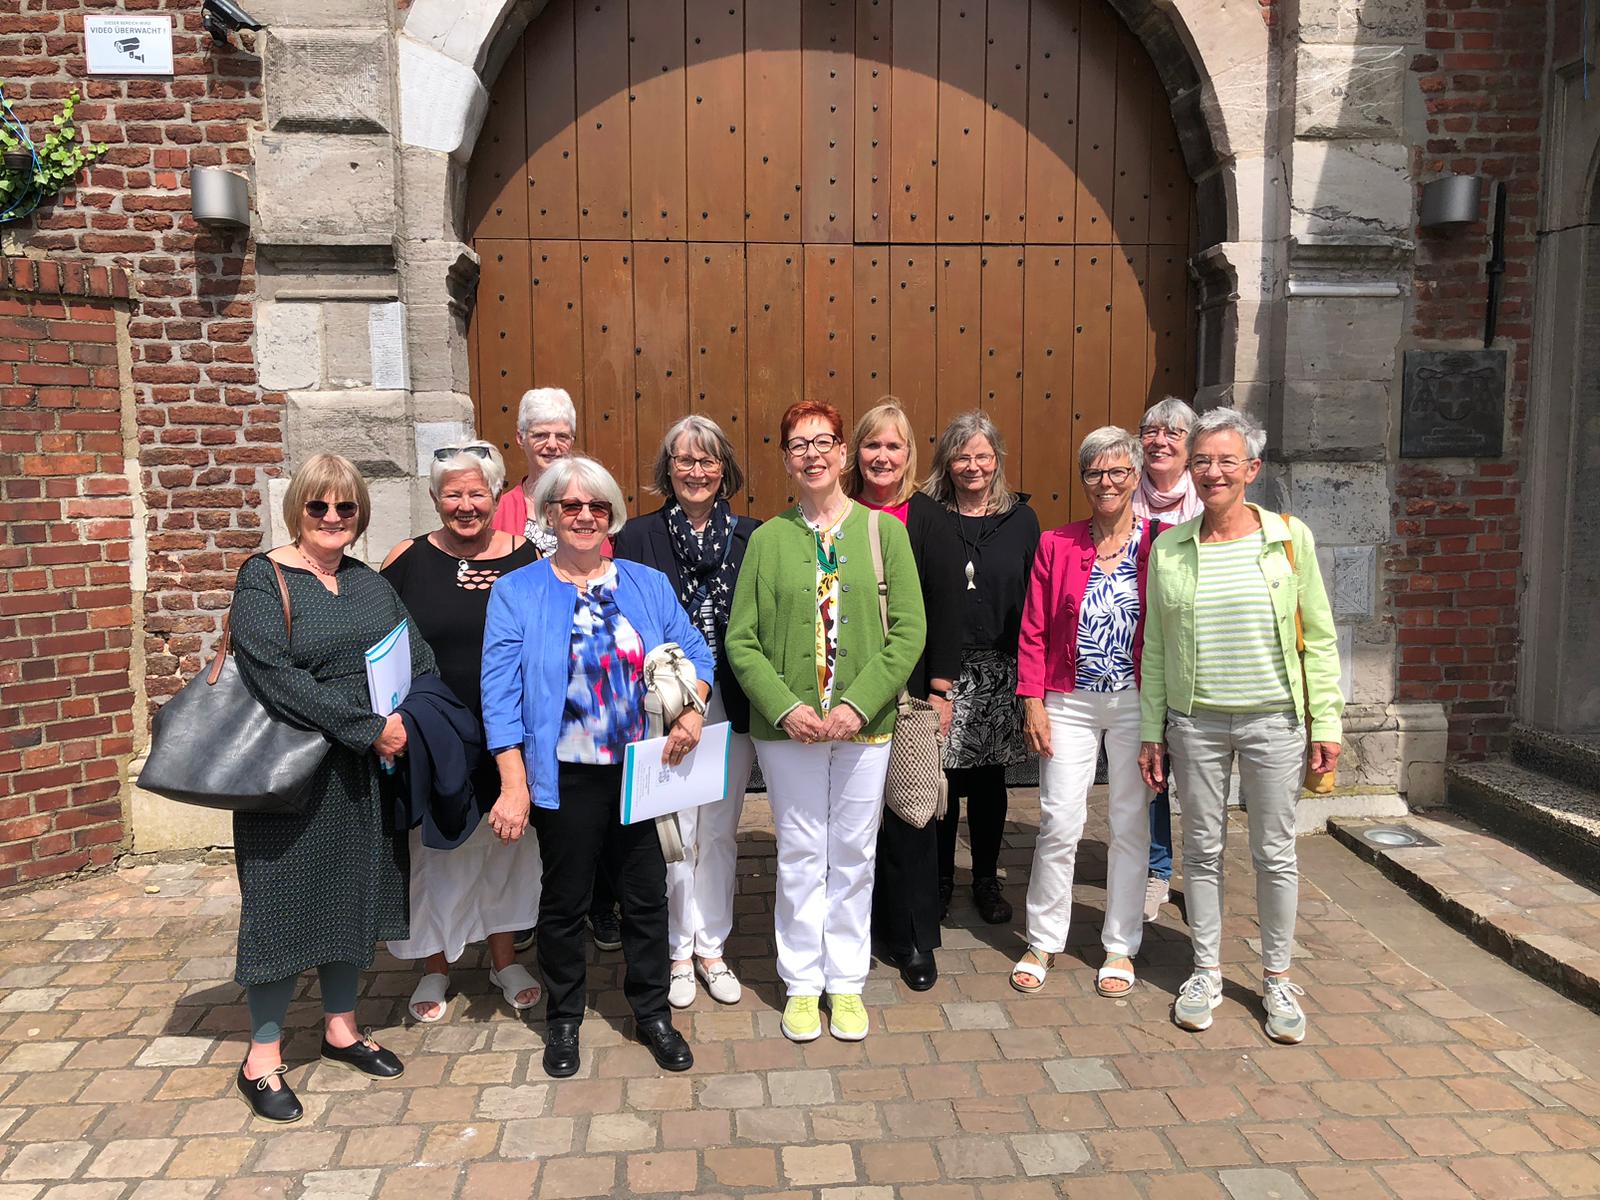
(1171, 619)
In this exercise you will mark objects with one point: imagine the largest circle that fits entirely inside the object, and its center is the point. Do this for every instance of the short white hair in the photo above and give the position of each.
(491, 466)
(587, 474)
(546, 405)
(1110, 440)
(1230, 420)
(1172, 413)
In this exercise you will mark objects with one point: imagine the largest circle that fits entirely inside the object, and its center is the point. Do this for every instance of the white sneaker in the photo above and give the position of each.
(721, 982)
(1286, 1020)
(1157, 892)
(1200, 993)
(680, 986)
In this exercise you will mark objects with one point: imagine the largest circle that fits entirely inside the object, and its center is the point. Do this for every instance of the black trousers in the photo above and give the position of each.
(905, 889)
(985, 792)
(577, 841)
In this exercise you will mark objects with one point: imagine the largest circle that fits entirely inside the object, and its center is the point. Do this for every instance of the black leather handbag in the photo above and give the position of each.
(216, 745)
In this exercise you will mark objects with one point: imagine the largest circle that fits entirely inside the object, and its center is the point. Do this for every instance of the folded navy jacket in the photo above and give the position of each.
(432, 783)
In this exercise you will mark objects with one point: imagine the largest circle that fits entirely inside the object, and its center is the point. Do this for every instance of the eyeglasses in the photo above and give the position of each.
(982, 461)
(822, 443)
(446, 453)
(317, 509)
(1115, 474)
(545, 435)
(1150, 433)
(572, 508)
(686, 463)
(1228, 465)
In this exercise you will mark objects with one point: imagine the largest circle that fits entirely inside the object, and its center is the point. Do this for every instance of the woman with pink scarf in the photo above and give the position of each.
(1166, 493)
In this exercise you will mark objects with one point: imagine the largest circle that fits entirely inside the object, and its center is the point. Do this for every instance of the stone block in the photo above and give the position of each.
(1350, 91)
(1342, 339)
(321, 14)
(386, 346)
(1354, 581)
(1341, 421)
(1361, 22)
(328, 81)
(1350, 187)
(288, 346)
(394, 519)
(465, 32)
(314, 189)
(159, 824)
(434, 186)
(1345, 504)
(371, 429)
(442, 101)
(433, 435)
(1235, 103)
(437, 342)
(1371, 662)
(1424, 741)
(347, 346)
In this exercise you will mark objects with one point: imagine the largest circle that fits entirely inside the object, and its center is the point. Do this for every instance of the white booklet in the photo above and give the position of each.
(650, 788)
(389, 670)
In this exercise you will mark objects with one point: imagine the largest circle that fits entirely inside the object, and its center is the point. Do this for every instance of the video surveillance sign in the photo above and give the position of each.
(128, 45)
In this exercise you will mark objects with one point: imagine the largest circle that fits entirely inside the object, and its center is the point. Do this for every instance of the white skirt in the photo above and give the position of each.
(463, 895)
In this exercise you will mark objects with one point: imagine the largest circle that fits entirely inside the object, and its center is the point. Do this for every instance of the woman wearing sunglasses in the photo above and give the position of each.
(563, 695)
(319, 888)
(478, 888)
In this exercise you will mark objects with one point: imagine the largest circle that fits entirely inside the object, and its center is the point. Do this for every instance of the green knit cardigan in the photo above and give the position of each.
(772, 641)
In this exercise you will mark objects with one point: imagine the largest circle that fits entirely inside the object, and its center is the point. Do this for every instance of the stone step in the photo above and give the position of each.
(1542, 814)
(1507, 899)
(1570, 757)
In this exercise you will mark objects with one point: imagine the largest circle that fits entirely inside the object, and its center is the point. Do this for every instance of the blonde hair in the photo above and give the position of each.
(318, 476)
(887, 410)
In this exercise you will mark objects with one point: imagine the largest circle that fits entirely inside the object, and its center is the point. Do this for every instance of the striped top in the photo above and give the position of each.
(1238, 660)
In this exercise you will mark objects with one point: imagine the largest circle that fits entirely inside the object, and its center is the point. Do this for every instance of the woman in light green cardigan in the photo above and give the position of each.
(808, 645)
(1223, 679)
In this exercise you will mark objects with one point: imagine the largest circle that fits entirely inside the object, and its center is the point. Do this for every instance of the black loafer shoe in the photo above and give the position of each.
(671, 1052)
(371, 1060)
(282, 1106)
(561, 1049)
(918, 969)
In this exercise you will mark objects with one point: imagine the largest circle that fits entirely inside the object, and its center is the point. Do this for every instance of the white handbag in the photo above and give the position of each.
(670, 682)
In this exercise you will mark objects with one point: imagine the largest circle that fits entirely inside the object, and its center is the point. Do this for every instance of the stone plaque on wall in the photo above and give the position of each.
(1453, 404)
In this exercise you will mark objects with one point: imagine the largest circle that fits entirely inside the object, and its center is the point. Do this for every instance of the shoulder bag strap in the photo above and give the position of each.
(226, 642)
(1299, 625)
(875, 541)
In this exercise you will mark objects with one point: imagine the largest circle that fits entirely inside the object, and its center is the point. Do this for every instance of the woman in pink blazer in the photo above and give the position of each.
(1078, 676)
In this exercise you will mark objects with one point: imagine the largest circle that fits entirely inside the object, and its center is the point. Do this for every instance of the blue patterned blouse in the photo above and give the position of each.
(605, 681)
(1107, 619)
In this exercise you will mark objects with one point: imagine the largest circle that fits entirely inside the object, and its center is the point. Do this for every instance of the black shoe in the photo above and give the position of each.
(607, 930)
(282, 1106)
(992, 904)
(918, 968)
(947, 888)
(371, 1060)
(671, 1052)
(522, 939)
(561, 1049)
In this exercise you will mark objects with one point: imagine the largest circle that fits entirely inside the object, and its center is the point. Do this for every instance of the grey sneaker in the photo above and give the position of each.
(1157, 891)
(1286, 1020)
(1200, 993)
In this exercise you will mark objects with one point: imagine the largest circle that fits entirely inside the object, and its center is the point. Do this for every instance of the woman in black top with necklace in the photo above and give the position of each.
(999, 534)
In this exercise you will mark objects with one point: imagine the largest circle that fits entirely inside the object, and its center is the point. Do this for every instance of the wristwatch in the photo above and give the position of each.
(948, 696)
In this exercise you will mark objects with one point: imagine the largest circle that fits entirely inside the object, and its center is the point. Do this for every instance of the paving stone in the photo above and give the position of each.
(731, 1091)
(339, 1185)
(541, 1137)
(45, 1160)
(1050, 1153)
(975, 1158)
(808, 1166)
(743, 1167)
(175, 1052)
(133, 1158)
(801, 1087)
(1082, 1075)
(610, 1132)
(1262, 1184)
(572, 1177)
(507, 1103)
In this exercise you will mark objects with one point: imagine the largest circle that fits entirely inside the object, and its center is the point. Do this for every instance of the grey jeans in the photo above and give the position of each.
(1271, 749)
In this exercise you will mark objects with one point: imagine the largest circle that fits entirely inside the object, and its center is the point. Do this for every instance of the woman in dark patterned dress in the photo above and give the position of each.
(999, 534)
(318, 889)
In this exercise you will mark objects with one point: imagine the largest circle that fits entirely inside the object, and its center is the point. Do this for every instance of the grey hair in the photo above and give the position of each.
(1230, 420)
(956, 435)
(706, 434)
(1110, 441)
(1171, 412)
(492, 468)
(587, 474)
(540, 406)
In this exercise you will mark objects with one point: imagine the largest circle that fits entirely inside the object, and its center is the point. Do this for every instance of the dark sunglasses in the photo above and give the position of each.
(600, 508)
(446, 453)
(318, 509)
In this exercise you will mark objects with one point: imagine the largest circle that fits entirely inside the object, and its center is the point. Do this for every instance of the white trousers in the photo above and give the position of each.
(1078, 720)
(827, 803)
(700, 888)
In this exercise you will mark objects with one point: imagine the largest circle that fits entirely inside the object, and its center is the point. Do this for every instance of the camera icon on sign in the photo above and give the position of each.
(130, 47)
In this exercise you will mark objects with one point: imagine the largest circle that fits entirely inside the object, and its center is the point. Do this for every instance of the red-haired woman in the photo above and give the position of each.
(810, 650)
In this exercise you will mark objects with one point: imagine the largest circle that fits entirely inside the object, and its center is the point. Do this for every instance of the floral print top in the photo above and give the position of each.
(605, 681)
(827, 606)
(1107, 619)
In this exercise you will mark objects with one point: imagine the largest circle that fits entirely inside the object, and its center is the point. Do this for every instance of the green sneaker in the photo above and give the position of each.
(847, 1019)
(801, 1021)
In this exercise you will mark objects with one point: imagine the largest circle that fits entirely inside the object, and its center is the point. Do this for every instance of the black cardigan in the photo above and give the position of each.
(647, 540)
(940, 560)
(1002, 549)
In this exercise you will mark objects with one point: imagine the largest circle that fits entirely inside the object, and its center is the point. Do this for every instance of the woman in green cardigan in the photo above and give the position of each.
(807, 643)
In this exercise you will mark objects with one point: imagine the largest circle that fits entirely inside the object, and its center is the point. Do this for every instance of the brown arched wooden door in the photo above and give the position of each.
(723, 206)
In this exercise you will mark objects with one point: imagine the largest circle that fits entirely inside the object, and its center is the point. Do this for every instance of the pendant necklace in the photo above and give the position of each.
(961, 524)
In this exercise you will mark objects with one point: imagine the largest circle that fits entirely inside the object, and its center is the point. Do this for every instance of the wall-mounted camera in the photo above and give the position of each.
(222, 17)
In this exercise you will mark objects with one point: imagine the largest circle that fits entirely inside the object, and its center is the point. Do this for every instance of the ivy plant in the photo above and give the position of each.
(56, 160)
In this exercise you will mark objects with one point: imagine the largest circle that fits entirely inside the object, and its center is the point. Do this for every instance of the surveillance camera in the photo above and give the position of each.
(222, 17)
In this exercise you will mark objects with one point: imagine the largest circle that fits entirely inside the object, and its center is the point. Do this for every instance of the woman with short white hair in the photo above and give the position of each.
(547, 430)
(471, 888)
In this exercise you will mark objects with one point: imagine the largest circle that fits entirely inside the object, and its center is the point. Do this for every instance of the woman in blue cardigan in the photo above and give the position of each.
(563, 695)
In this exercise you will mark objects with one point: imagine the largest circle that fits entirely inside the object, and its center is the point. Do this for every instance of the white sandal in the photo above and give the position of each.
(514, 978)
(1038, 968)
(1104, 974)
(431, 989)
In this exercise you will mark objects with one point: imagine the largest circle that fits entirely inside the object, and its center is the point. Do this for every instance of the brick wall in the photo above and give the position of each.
(66, 617)
(1457, 552)
(205, 432)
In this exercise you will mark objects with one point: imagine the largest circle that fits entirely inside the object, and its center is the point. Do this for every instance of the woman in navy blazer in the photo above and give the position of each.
(698, 542)
(563, 695)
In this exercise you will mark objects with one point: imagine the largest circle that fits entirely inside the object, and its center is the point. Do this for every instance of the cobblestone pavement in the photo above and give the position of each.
(120, 1032)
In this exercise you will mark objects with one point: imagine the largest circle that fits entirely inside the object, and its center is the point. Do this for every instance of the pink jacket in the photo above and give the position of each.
(1047, 648)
